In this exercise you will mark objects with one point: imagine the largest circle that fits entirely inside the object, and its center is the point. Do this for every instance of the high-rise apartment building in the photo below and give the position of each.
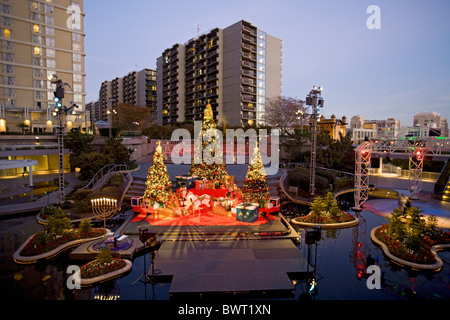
(39, 39)
(234, 69)
(136, 88)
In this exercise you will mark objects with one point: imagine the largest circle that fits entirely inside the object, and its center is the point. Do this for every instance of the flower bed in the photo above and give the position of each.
(423, 255)
(34, 248)
(95, 268)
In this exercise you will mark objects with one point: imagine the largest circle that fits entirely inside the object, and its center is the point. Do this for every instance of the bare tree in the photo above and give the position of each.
(284, 112)
(132, 118)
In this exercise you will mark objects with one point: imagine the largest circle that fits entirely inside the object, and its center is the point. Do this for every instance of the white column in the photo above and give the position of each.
(30, 176)
(381, 166)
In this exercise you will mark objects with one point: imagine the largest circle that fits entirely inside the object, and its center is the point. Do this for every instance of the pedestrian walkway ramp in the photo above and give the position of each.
(233, 266)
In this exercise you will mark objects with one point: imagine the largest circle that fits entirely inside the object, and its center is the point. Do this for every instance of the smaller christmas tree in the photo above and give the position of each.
(255, 187)
(159, 186)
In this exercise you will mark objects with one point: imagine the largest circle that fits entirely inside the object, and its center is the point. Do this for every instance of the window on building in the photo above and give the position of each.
(49, 31)
(36, 28)
(51, 63)
(36, 39)
(38, 84)
(35, 5)
(77, 77)
(38, 73)
(77, 98)
(37, 51)
(6, 21)
(10, 103)
(50, 42)
(7, 45)
(48, 8)
(49, 20)
(8, 68)
(38, 95)
(8, 56)
(77, 88)
(76, 46)
(9, 81)
(76, 57)
(76, 37)
(36, 16)
(77, 67)
(50, 52)
(5, 8)
(7, 33)
(10, 92)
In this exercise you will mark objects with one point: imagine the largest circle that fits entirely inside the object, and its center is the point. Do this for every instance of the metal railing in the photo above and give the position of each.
(103, 172)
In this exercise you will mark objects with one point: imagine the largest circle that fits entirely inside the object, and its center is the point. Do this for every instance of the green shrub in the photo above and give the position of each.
(82, 194)
(51, 210)
(82, 206)
(116, 180)
(57, 224)
(85, 225)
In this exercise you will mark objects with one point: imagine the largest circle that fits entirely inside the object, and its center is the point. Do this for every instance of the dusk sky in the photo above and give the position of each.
(396, 71)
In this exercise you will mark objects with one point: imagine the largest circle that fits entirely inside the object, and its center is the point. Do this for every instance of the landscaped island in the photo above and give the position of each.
(57, 236)
(326, 212)
(410, 239)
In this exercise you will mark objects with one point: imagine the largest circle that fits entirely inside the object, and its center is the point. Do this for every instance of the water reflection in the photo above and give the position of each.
(341, 259)
(343, 256)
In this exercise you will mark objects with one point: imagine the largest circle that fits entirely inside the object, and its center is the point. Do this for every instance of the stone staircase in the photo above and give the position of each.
(136, 189)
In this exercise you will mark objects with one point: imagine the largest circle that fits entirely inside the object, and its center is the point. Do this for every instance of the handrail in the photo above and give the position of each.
(101, 173)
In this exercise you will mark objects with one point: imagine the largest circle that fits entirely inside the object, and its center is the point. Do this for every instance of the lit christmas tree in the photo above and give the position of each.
(159, 186)
(255, 187)
(207, 137)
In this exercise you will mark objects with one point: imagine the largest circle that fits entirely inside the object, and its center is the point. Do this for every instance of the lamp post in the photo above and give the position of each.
(60, 111)
(315, 100)
(104, 207)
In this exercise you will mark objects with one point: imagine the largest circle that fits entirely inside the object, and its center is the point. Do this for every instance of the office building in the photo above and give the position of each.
(431, 124)
(234, 69)
(40, 39)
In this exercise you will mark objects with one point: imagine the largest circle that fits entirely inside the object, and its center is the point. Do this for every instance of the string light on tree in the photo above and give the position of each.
(210, 148)
(255, 189)
(159, 186)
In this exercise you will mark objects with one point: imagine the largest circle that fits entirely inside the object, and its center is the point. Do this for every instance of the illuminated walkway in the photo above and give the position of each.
(383, 207)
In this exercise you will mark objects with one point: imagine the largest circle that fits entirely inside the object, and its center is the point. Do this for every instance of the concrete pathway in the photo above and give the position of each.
(430, 206)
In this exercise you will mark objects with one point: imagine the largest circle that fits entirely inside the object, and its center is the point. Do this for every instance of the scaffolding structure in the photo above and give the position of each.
(416, 149)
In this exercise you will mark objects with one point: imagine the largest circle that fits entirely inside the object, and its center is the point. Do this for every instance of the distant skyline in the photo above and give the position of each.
(396, 71)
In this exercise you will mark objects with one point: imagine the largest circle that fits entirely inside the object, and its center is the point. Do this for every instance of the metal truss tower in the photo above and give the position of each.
(314, 100)
(415, 148)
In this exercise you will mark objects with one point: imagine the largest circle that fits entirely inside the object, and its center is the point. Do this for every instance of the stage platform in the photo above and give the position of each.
(274, 227)
(201, 267)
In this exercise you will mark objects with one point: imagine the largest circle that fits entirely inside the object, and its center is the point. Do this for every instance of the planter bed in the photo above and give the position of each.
(28, 257)
(310, 221)
(125, 266)
(426, 260)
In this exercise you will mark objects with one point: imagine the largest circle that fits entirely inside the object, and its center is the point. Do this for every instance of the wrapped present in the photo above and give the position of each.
(268, 205)
(275, 201)
(189, 181)
(197, 184)
(247, 212)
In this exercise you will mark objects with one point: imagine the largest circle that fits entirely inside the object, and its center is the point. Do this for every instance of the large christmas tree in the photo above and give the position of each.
(255, 187)
(207, 141)
(159, 186)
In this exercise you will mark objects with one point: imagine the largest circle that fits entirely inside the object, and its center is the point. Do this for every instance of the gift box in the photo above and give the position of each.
(186, 181)
(247, 212)
(268, 205)
(275, 201)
